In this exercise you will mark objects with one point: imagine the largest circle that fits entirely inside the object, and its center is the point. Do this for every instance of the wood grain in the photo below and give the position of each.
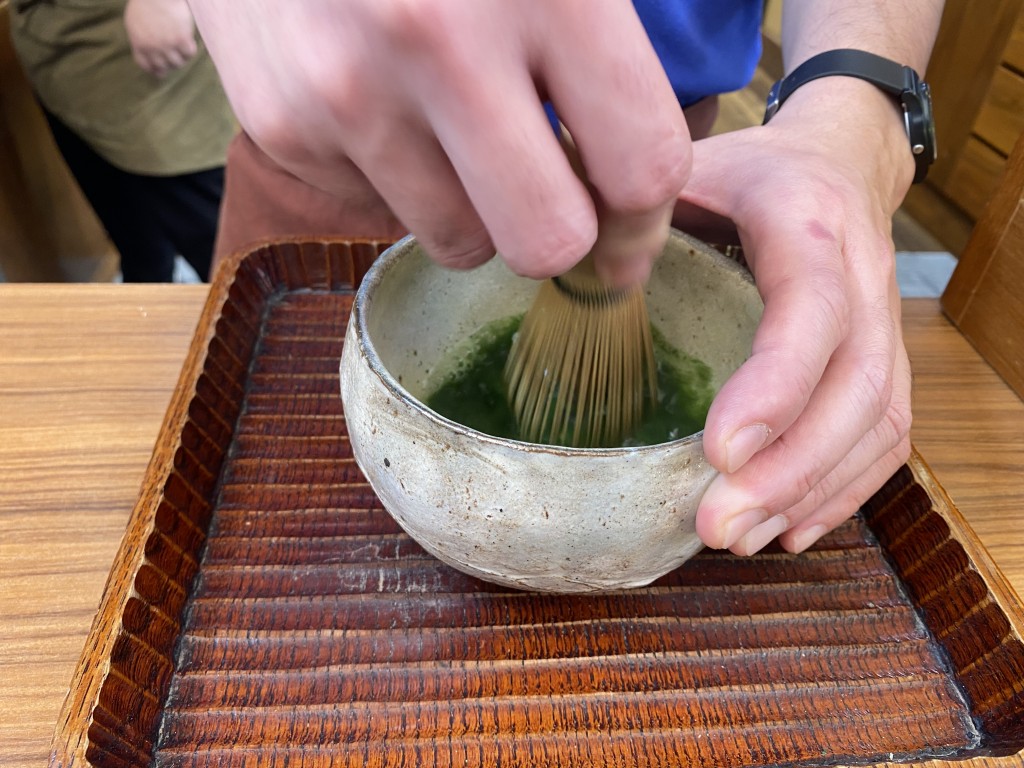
(1001, 119)
(975, 177)
(346, 639)
(86, 373)
(1015, 47)
(983, 296)
(974, 37)
(321, 609)
(969, 48)
(968, 425)
(932, 209)
(126, 344)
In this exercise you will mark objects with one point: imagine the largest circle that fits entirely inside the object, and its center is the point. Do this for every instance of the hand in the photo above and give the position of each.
(818, 418)
(161, 33)
(439, 104)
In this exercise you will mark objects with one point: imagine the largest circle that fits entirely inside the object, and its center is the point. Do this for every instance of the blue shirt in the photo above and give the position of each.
(706, 46)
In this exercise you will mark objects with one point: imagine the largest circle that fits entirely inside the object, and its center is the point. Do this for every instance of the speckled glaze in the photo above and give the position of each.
(518, 514)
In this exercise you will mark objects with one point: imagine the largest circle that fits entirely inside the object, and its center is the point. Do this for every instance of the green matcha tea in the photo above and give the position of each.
(474, 393)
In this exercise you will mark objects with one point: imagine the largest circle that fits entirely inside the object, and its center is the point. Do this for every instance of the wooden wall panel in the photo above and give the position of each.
(1001, 119)
(1015, 47)
(975, 176)
(969, 48)
(983, 296)
(976, 41)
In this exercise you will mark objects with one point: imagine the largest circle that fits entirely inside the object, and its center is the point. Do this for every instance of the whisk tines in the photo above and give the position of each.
(581, 370)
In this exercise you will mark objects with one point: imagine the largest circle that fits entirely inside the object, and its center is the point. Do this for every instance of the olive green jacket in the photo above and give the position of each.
(77, 57)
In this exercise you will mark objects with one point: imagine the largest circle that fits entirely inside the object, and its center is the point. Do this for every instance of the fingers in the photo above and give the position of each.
(162, 61)
(630, 133)
(806, 318)
(161, 34)
(161, 56)
(425, 193)
(835, 498)
(476, 152)
(862, 472)
(812, 478)
(841, 503)
(628, 243)
(539, 214)
(849, 401)
(469, 163)
(842, 492)
(508, 159)
(815, 405)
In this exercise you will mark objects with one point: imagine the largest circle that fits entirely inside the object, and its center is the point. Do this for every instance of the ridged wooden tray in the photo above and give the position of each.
(264, 610)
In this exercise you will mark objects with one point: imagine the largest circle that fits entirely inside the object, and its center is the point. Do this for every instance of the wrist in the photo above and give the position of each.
(858, 126)
(899, 82)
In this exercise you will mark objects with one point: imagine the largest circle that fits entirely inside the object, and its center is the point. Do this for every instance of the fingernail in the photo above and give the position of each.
(744, 444)
(801, 540)
(760, 535)
(740, 524)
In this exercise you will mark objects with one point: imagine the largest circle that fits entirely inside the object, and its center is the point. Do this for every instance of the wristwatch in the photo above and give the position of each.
(903, 82)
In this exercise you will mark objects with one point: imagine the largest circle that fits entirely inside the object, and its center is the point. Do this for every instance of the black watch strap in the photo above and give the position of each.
(901, 81)
(878, 70)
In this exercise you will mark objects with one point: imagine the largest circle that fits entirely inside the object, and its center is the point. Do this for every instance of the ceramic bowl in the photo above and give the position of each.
(519, 514)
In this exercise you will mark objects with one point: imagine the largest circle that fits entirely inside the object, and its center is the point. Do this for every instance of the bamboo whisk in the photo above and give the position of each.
(581, 368)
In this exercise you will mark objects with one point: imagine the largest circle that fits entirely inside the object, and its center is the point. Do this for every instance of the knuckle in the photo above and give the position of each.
(832, 307)
(873, 388)
(898, 421)
(806, 380)
(804, 485)
(268, 125)
(271, 130)
(412, 25)
(901, 453)
(551, 250)
(650, 184)
(827, 490)
(347, 95)
(462, 250)
(339, 103)
(880, 242)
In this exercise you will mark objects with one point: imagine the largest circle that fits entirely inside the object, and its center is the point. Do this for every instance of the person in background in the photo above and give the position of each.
(429, 115)
(138, 112)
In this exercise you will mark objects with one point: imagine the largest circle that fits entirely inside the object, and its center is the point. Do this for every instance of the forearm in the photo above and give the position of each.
(842, 113)
(902, 30)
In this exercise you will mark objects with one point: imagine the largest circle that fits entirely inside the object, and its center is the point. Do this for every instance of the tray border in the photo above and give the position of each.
(70, 742)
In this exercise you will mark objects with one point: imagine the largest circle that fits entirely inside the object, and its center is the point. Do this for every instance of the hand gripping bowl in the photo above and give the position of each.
(518, 514)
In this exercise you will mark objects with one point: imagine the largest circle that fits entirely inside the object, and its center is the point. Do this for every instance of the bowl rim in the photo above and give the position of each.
(364, 302)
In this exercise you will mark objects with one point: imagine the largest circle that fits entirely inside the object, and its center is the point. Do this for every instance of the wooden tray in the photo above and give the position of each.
(264, 610)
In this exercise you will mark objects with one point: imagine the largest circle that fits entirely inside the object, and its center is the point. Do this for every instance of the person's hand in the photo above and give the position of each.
(161, 34)
(818, 418)
(438, 103)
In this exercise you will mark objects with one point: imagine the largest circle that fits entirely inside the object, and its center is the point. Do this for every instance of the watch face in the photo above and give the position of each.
(773, 102)
(928, 119)
(920, 124)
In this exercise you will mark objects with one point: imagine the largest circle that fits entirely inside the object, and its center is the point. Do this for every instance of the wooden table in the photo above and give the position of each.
(86, 373)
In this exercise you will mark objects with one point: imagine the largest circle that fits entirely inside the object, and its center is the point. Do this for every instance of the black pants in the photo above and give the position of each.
(150, 219)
